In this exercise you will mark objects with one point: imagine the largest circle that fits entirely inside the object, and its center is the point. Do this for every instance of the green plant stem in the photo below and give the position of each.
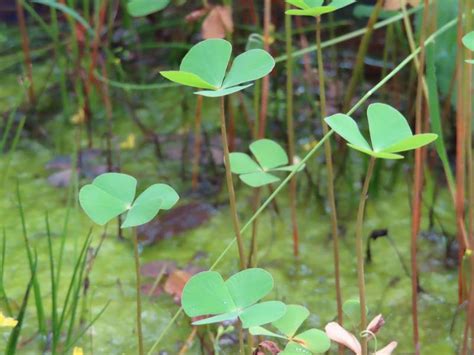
(3, 293)
(330, 175)
(360, 253)
(280, 187)
(252, 260)
(230, 187)
(138, 284)
(290, 125)
(54, 290)
(359, 65)
(32, 263)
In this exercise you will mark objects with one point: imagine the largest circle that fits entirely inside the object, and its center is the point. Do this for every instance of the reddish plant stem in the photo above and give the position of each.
(460, 156)
(417, 186)
(197, 143)
(266, 79)
(25, 44)
(109, 115)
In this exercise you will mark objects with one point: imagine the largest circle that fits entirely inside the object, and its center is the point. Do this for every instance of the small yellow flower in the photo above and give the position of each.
(79, 117)
(7, 321)
(77, 351)
(128, 143)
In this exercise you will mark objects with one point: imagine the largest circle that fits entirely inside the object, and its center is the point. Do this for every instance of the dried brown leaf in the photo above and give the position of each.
(341, 336)
(388, 350)
(397, 4)
(218, 23)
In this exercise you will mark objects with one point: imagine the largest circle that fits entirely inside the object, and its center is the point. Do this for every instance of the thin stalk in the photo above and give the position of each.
(460, 154)
(54, 290)
(308, 156)
(75, 279)
(3, 293)
(138, 292)
(330, 175)
(266, 79)
(16, 139)
(32, 263)
(290, 126)
(412, 45)
(69, 204)
(230, 187)
(252, 260)
(468, 86)
(197, 143)
(241, 338)
(25, 44)
(360, 253)
(417, 194)
(363, 47)
(260, 132)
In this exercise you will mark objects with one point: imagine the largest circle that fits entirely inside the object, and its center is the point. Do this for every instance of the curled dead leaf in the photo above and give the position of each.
(175, 283)
(341, 336)
(267, 347)
(218, 23)
(397, 4)
(388, 350)
(196, 14)
(375, 324)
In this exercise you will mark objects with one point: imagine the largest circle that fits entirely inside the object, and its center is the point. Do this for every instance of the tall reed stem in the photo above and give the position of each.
(360, 252)
(138, 283)
(418, 184)
(230, 186)
(290, 125)
(330, 172)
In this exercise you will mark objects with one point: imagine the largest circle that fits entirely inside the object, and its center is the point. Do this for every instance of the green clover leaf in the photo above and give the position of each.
(270, 156)
(389, 132)
(205, 65)
(316, 8)
(207, 293)
(312, 341)
(139, 8)
(112, 194)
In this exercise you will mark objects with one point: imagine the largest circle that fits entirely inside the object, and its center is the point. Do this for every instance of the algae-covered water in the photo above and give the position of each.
(308, 281)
